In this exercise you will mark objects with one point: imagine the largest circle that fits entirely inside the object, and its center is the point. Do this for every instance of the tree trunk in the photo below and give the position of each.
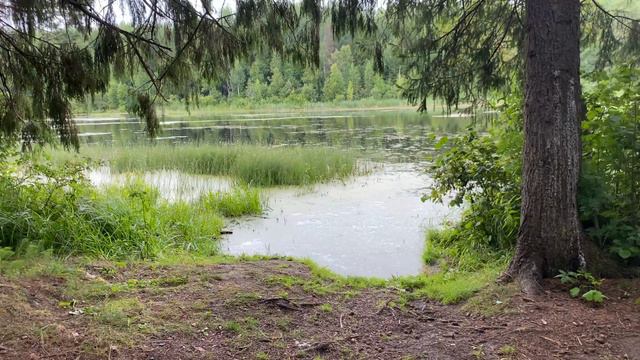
(550, 234)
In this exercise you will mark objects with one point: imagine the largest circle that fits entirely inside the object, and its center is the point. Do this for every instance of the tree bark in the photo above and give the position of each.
(550, 233)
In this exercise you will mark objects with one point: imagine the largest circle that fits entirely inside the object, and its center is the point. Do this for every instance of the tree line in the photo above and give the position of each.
(268, 78)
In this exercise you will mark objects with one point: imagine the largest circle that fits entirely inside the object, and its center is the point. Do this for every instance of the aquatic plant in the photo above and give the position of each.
(250, 164)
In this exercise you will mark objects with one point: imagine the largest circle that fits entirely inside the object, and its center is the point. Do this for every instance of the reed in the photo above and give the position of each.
(251, 164)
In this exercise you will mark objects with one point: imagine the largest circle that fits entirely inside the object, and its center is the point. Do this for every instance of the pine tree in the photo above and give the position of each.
(238, 79)
(278, 85)
(369, 79)
(350, 91)
(463, 49)
(310, 85)
(55, 52)
(334, 86)
(355, 78)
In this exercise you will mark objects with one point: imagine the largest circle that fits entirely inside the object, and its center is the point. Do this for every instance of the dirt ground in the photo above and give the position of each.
(275, 309)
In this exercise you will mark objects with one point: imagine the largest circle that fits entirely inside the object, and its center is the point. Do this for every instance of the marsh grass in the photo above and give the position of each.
(62, 212)
(237, 202)
(250, 164)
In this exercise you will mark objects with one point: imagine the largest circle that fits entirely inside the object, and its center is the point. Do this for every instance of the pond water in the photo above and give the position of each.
(369, 225)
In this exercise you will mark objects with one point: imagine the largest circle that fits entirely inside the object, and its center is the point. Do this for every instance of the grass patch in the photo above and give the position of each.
(120, 313)
(326, 308)
(242, 299)
(324, 281)
(444, 250)
(250, 164)
(238, 202)
(242, 326)
(448, 287)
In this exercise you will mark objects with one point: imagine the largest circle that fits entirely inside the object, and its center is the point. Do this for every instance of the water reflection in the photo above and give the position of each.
(370, 226)
(400, 136)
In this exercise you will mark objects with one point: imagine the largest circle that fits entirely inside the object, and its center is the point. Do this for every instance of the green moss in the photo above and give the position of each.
(326, 308)
(492, 300)
(120, 313)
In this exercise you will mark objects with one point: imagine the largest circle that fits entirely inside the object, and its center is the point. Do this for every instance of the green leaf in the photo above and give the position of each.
(575, 291)
(624, 253)
(594, 296)
(443, 140)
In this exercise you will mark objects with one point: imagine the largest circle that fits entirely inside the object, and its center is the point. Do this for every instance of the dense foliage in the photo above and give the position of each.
(610, 191)
(484, 171)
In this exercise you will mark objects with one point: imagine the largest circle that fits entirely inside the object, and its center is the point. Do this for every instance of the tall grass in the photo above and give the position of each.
(253, 165)
(58, 210)
(237, 202)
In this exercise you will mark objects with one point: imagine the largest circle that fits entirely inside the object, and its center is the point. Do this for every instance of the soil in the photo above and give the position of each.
(272, 309)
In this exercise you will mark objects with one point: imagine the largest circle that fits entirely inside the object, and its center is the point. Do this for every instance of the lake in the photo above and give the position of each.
(369, 225)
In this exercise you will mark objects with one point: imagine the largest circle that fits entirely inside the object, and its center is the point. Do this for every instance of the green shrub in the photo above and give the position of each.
(610, 183)
(483, 172)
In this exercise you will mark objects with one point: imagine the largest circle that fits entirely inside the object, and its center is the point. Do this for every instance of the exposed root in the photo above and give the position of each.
(526, 273)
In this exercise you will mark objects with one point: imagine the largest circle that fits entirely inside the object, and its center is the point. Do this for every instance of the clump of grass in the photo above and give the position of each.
(120, 312)
(251, 164)
(507, 350)
(326, 308)
(241, 326)
(239, 201)
(443, 249)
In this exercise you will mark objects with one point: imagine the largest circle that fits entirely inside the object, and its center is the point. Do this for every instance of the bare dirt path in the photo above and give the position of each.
(278, 310)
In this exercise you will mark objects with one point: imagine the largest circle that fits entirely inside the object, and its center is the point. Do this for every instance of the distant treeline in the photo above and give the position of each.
(346, 72)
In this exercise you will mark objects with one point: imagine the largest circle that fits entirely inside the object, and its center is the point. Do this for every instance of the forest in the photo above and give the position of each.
(345, 74)
(343, 179)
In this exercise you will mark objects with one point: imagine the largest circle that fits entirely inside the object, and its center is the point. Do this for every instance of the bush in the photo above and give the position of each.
(610, 183)
(483, 172)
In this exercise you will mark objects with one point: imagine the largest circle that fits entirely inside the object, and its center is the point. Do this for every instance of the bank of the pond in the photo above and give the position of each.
(250, 308)
(251, 164)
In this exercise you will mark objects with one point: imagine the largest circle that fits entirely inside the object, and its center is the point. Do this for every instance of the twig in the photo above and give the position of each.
(321, 347)
(103, 22)
(341, 315)
(617, 18)
(553, 341)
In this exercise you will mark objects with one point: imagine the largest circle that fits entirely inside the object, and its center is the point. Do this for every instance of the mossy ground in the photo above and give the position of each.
(260, 308)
